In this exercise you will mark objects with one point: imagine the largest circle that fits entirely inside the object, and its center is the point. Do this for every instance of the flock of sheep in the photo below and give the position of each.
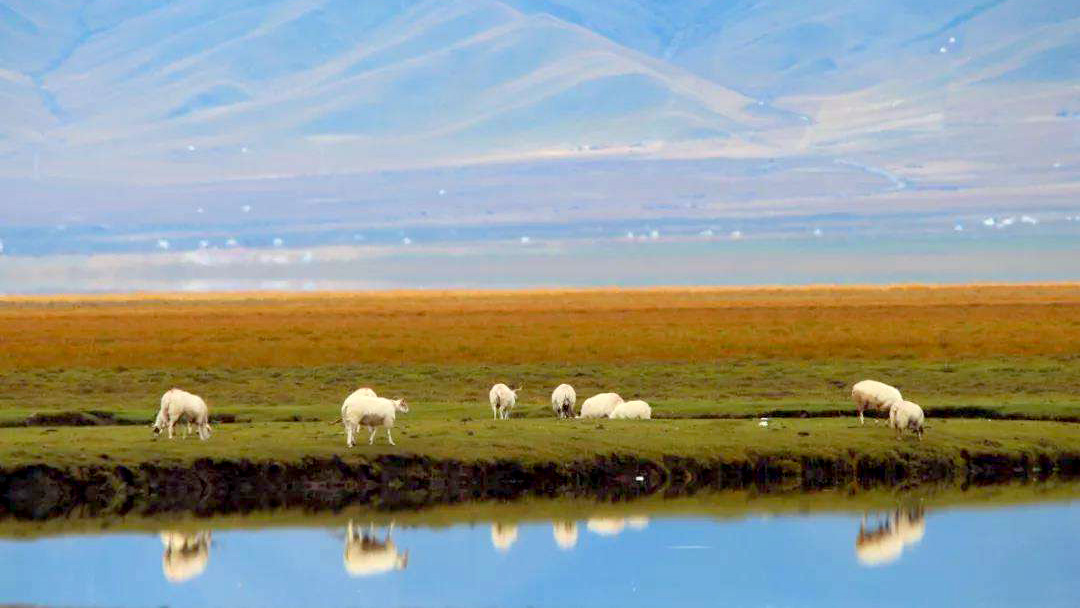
(364, 408)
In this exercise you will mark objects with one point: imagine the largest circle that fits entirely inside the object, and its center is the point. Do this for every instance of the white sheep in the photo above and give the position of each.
(176, 405)
(599, 406)
(563, 400)
(186, 555)
(502, 400)
(503, 536)
(372, 412)
(636, 409)
(907, 415)
(360, 392)
(565, 533)
(871, 394)
(365, 555)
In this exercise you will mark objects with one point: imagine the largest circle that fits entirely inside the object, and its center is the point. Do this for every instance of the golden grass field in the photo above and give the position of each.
(282, 364)
(571, 327)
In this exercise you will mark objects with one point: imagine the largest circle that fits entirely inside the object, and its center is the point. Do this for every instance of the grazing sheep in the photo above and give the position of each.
(565, 533)
(871, 394)
(599, 406)
(637, 409)
(907, 415)
(886, 543)
(186, 555)
(502, 400)
(372, 412)
(563, 400)
(365, 555)
(503, 536)
(176, 405)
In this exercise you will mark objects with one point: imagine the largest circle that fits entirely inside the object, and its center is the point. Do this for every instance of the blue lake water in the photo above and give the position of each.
(1015, 556)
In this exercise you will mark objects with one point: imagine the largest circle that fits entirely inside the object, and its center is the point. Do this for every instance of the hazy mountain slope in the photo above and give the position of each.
(201, 88)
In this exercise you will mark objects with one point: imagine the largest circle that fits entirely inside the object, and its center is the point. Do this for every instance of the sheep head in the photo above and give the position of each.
(401, 406)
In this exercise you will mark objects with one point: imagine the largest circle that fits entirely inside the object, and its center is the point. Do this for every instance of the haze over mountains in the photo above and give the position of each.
(192, 113)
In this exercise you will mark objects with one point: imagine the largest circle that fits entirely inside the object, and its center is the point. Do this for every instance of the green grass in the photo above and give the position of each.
(1037, 387)
(540, 440)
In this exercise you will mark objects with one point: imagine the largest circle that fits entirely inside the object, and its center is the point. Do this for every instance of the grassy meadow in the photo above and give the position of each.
(285, 362)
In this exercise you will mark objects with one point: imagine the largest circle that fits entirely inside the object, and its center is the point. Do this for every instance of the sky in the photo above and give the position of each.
(1017, 556)
(137, 134)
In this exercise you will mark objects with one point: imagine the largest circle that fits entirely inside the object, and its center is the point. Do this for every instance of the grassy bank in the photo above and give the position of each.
(1037, 387)
(278, 363)
(545, 440)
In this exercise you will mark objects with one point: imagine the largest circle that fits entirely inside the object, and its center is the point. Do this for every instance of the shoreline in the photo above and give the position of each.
(208, 487)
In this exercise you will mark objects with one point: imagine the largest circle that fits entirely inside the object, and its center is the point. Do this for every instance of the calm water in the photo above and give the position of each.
(1018, 556)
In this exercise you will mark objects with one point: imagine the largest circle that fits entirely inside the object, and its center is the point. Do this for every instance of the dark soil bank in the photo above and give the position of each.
(400, 482)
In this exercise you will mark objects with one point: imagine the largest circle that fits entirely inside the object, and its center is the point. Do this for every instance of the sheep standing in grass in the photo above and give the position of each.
(637, 409)
(599, 406)
(563, 400)
(502, 400)
(871, 394)
(907, 415)
(360, 392)
(176, 405)
(372, 412)
(365, 555)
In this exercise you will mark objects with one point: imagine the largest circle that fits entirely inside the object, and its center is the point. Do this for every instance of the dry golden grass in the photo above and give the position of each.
(525, 327)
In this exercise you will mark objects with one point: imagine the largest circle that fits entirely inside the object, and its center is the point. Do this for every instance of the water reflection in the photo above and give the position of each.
(503, 536)
(884, 543)
(613, 526)
(565, 533)
(365, 555)
(972, 557)
(186, 554)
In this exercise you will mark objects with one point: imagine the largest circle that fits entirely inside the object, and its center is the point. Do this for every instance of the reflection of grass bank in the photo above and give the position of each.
(724, 505)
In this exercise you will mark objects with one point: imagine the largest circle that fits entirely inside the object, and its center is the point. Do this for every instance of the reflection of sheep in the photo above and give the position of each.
(565, 533)
(636, 409)
(637, 523)
(606, 526)
(503, 536)
(502, 400)
(871, 394)
(599, 406)
(563, 399)
(365, 555)
(886, 543)
(186, 555)
(907, 415)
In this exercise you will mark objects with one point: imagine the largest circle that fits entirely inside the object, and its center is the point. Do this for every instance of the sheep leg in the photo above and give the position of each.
(172, 423)
(371, 439)
(861, 421)
(389, 437)
(495, 413)
(350, 440)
